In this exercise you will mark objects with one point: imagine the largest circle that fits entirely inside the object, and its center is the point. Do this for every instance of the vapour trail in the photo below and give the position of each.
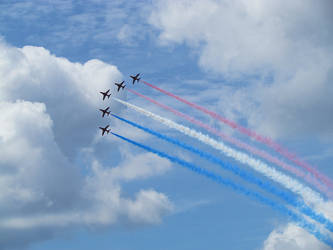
(300, 220)
(291, 199)
(265, 140)
(307, 177)
(292, 184)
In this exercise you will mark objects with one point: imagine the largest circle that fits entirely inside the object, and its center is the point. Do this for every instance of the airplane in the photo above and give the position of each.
(105, 94)
(105, 129)
(105, 111)
(135, 78)
(120, 85)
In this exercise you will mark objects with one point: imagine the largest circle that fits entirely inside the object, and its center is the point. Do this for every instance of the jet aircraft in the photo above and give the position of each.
(135, 78)
(105, 111)
(105, 94)
(120, 85)
(105, 130)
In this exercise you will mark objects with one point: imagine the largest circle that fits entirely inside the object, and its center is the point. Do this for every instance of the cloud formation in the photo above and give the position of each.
(283, 51)
(292, 237)
(49, 116)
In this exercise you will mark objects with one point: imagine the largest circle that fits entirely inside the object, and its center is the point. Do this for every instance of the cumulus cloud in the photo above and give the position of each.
(292, 237)
(33, 74)
(238, 36)
(285, 47)
(31, 163)
(49, 114)
(139, 166)
(149, 206)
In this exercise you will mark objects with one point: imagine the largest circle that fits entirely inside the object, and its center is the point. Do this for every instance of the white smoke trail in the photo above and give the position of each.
(295, 186)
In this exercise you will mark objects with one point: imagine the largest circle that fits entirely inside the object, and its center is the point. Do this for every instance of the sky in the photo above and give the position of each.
(265, 64)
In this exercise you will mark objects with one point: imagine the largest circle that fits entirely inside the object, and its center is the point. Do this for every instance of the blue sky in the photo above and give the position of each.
(66, 187)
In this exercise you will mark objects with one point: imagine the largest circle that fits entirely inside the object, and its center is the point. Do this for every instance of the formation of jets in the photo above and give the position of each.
(108, 94)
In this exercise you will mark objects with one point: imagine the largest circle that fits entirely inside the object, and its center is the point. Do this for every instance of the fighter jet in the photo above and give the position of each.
(105, 94)
(135, 78)
(120, 85)
(105, 111)
(105, 130)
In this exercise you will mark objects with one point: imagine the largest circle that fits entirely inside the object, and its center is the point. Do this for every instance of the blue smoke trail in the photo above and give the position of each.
(291, 199)
(310, 227)
(288, 182)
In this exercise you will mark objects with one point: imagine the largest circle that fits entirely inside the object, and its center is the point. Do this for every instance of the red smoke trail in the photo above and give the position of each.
(242, 145)
(292, 157)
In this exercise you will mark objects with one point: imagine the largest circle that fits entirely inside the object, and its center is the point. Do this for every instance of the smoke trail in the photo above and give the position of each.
(299, 204)
(311, 228)
(269, 142)
(307, 177)
(295, 186)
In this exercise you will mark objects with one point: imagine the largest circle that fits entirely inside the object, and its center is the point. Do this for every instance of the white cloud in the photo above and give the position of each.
(31, 162)
(245, 36)
(139, 166)
(49, 113)
(300, 106)
(287, 42)
(149, 206)
(42, 190)
(292, 237)
(33, 74)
